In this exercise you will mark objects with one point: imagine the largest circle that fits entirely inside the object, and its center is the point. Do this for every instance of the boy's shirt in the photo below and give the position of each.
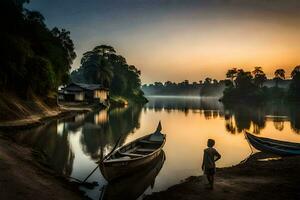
(209, 157)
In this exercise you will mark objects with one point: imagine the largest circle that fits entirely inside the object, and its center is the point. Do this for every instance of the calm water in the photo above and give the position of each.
(72, 146)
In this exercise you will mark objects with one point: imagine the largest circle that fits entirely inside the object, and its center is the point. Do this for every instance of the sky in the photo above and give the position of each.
(183, 39)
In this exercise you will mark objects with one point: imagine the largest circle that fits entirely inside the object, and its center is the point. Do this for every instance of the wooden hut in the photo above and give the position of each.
(79, 92)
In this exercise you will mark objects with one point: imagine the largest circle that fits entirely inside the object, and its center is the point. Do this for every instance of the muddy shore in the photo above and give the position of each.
(22, 176)
(43, 117)
(258, 179)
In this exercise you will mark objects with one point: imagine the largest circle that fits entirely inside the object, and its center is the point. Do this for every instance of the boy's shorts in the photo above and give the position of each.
(210, 171)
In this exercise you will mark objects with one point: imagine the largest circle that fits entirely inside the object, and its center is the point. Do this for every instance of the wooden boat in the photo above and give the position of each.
(135, 185)
(133, 156)
(282, 148)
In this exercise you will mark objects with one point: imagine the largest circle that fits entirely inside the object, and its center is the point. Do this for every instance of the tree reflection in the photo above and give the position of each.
(242, 117)
(119, 122)
(295, 118)
(51, 140)
(183, 103)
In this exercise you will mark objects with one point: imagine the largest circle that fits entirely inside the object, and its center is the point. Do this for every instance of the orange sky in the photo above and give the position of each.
(191, 39)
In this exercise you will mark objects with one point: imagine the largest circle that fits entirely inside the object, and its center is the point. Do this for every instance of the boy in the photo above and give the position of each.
(209, 158)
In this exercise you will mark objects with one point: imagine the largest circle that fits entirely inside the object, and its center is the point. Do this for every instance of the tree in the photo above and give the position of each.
(279, 76)
(33, 58)
(232, 74)
(294, 90)
(243, 79)
(96, 67)
(103, 66)
(207, 80)
(259, 76)
(295, 72)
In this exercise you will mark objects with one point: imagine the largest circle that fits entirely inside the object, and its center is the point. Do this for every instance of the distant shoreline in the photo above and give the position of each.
(181, 96)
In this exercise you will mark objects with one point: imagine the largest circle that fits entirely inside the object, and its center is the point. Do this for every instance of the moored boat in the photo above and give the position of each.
(133, 156)
(282, 148)
(136, 184)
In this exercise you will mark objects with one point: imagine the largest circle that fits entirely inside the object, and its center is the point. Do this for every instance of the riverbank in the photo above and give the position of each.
(258, 178)
(22, 177)
(19, 114)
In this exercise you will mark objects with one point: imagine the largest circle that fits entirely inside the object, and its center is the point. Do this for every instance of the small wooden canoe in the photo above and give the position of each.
(282, 148)
(133, 156)
(134, 186)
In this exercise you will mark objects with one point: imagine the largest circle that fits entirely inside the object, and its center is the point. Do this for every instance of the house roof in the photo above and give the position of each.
(76, 87)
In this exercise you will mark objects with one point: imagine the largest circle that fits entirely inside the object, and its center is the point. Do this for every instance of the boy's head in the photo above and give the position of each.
(210, 142)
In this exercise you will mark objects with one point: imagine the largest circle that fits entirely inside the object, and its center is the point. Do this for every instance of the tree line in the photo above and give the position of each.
(33, 59)
(249, 85)
(102, 65)
(208, 87)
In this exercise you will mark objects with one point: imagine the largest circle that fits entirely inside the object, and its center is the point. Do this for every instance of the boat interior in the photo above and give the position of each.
(139, 148)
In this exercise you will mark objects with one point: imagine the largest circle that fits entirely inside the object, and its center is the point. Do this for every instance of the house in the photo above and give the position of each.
(79, 92)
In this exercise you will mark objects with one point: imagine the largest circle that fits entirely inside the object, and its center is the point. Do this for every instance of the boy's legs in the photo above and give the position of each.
(212, 181)
(210, 177)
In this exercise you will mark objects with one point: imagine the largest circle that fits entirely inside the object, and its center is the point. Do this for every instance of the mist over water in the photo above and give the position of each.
(72, 146)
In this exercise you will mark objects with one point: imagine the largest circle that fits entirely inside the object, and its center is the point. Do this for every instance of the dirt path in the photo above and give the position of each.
(259, 180)
(21, 177)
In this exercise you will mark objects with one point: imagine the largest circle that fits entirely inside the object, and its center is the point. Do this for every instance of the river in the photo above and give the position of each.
(72, 146)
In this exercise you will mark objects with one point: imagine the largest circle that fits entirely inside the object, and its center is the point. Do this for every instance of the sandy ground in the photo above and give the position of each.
(21, 177)
(254, 179)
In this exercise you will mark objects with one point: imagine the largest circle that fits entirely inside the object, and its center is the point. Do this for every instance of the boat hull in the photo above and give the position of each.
(112, 170)
(135, 185)
(277, 147)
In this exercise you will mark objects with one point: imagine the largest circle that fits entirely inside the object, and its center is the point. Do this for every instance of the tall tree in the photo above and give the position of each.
(103, 66)
(33, 59)
(97, 68)
(294, 90)
(279, 76)
(259, 76)
(231, 74)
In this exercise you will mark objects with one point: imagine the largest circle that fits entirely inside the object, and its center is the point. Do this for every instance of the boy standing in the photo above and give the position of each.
(209, 158)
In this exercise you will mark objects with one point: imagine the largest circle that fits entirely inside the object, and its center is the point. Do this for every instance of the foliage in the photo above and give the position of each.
(245, 86)
(103, 66)
(259, 76)
(210, 87)
(279, 76)
(34, 58)
(294, 91)
(248, 87)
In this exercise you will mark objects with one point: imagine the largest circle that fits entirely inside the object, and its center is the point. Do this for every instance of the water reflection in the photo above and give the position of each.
(71, 146)
(51, 140)
(135, 185)
(254, 118)
(99, 131)
(237, 117)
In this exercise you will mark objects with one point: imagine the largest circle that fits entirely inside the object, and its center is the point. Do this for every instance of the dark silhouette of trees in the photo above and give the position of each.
(96, 67)
(103, 66)
(279, 76)
(244, 86)
(259, 76)
(232, 74)
(34, 59)
(209, 87)
(294, 90)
